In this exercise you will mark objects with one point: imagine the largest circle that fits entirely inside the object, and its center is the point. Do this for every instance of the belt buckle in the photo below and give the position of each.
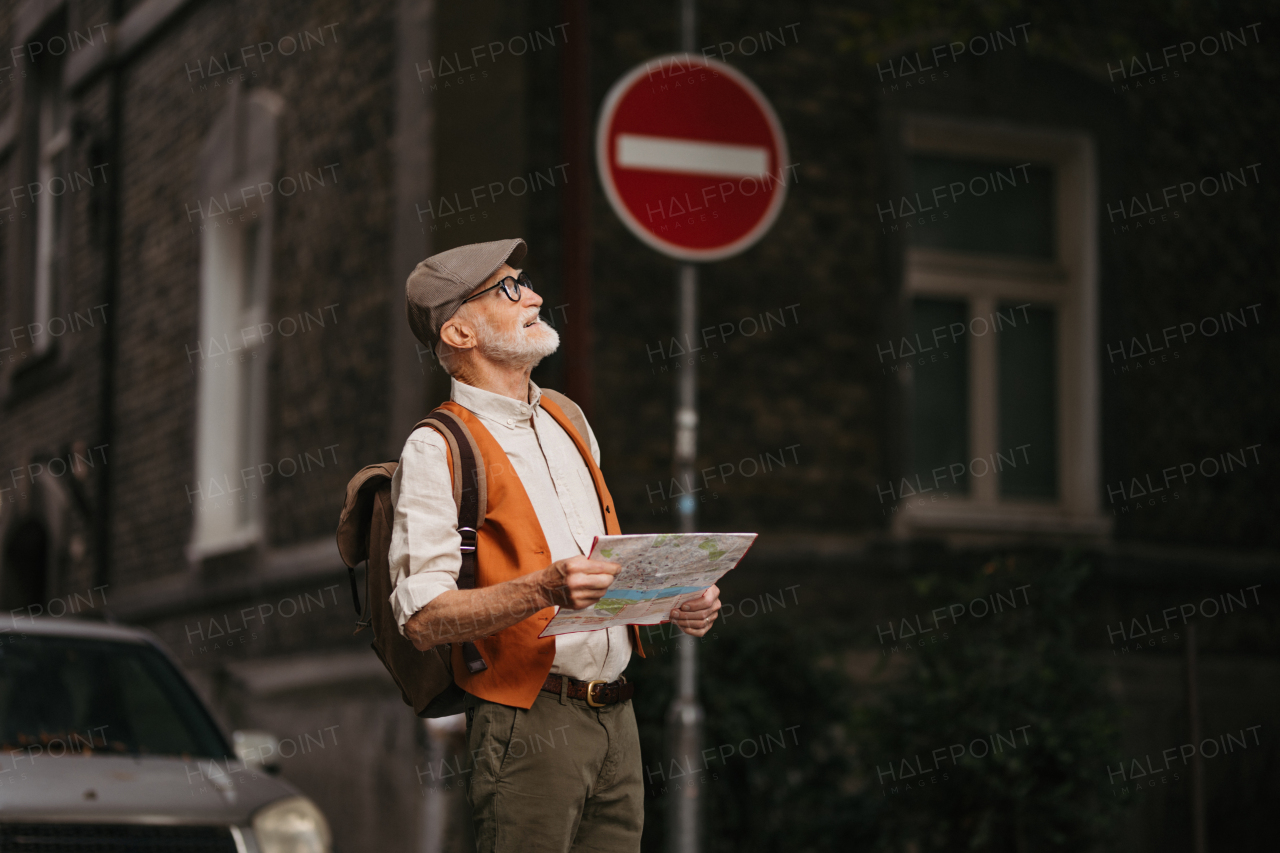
(590, 701)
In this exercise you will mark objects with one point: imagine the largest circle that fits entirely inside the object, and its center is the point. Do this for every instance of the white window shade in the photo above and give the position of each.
(54, 136)
(229, 499)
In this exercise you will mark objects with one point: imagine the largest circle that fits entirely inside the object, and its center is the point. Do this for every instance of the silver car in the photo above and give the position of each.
(105, 746)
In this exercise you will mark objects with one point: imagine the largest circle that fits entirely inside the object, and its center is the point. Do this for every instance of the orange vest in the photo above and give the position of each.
(509, 544)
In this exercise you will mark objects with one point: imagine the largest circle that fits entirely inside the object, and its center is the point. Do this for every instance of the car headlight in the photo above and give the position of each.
(292, 825)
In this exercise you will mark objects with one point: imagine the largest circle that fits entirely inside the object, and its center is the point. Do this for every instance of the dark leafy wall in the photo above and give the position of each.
(814, 386)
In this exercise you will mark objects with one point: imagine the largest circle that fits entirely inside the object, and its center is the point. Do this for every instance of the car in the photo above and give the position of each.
(104, 745)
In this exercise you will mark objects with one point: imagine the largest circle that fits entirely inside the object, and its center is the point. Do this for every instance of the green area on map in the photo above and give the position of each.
(612, 606)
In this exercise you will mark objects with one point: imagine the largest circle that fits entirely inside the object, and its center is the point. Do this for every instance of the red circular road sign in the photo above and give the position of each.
(692, 157)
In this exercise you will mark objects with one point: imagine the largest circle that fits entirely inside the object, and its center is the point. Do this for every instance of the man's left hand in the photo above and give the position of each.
(695, 616)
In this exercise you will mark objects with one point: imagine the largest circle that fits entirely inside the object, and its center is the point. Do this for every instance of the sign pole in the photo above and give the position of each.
(685, 717)
(1197, 766)
(693, 160)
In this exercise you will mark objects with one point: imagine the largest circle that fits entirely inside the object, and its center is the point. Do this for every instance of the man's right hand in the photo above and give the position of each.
(457, 615)
(578, 582)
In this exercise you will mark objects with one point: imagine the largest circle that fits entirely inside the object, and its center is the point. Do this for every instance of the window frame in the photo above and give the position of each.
(240, 151)
(230, 401)
(1068, 283)
(53, 142)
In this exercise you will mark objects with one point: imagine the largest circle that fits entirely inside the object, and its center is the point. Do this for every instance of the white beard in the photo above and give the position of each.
(516, 346)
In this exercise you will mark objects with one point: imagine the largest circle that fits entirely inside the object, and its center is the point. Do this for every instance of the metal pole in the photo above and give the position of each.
(1197, 766)
(111, 280)
(413, 380)
(684, 719)
(688, 26)
(437, 832)
(575, 223)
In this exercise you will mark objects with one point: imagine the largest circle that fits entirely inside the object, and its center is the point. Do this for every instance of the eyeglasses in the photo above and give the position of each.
(509, 286)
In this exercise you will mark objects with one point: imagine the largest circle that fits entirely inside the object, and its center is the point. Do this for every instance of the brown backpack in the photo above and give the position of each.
(425, 678)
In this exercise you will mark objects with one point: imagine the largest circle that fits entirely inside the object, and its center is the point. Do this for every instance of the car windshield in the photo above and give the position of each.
(96, 697)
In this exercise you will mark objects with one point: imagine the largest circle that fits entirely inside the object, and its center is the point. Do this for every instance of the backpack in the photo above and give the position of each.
(425, 678)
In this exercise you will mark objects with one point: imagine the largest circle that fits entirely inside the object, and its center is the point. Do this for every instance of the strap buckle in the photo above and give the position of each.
(593, 703)
(468, 535)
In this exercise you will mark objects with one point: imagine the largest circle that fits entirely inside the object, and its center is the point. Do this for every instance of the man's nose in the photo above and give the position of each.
(531, 298)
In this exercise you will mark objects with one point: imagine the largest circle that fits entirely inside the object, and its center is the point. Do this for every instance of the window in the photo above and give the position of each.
(231, 370)
(39, 192)
(999, 363)
(99, 698)
(54, 134)
(229, 360)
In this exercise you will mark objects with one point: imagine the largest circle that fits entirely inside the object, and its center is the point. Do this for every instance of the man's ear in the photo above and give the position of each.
(457, 334)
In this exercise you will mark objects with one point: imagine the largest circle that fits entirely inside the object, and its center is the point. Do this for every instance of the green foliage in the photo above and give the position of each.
(996, 674)
(764, 680)
(1016, 673)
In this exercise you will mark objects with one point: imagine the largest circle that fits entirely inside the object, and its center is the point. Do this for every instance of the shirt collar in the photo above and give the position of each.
(496, 408)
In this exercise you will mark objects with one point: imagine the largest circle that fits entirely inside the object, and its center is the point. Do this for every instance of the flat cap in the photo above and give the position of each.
(436, 287)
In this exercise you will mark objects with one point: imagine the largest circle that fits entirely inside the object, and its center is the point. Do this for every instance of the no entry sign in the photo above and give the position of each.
(692, 157)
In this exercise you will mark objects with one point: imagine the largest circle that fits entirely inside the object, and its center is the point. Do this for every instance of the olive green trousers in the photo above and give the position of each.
(559, 777)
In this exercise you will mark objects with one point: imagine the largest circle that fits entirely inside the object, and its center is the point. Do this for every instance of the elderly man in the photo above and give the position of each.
(549, 721)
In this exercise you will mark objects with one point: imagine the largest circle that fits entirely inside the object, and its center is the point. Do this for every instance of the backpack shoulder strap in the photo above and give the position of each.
(572, 412)
(470, 493)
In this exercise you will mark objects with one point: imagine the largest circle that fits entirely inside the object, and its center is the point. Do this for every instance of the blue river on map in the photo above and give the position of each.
(641, 594)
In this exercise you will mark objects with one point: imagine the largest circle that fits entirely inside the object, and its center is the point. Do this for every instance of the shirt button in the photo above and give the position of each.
(510, 421)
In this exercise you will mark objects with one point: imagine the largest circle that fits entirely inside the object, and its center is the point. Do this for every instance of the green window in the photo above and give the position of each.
(1028, 411)
(1008, 347)
(981, 206)
(940, 420)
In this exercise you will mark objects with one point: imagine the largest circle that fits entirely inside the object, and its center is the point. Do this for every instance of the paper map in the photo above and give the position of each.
(660, 571)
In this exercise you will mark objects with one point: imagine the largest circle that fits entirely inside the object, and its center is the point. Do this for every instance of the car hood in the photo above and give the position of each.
(132, 789)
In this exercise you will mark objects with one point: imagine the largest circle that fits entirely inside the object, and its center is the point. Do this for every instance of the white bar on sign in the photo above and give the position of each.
(691, 157)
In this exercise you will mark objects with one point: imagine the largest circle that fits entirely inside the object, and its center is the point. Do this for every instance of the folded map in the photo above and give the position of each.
(660, 571)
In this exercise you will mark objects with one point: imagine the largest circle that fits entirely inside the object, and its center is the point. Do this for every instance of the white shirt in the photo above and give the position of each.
(425, 557)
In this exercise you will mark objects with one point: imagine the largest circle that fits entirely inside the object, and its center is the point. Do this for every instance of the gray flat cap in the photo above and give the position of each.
(437, 286)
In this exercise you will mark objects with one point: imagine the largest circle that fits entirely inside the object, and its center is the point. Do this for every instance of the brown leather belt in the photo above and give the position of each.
(597, 694)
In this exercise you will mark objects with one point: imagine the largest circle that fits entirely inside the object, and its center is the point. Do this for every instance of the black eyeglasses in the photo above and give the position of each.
(510, 288)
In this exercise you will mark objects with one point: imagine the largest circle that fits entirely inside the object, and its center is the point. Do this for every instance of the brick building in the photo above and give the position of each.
(211, 207)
